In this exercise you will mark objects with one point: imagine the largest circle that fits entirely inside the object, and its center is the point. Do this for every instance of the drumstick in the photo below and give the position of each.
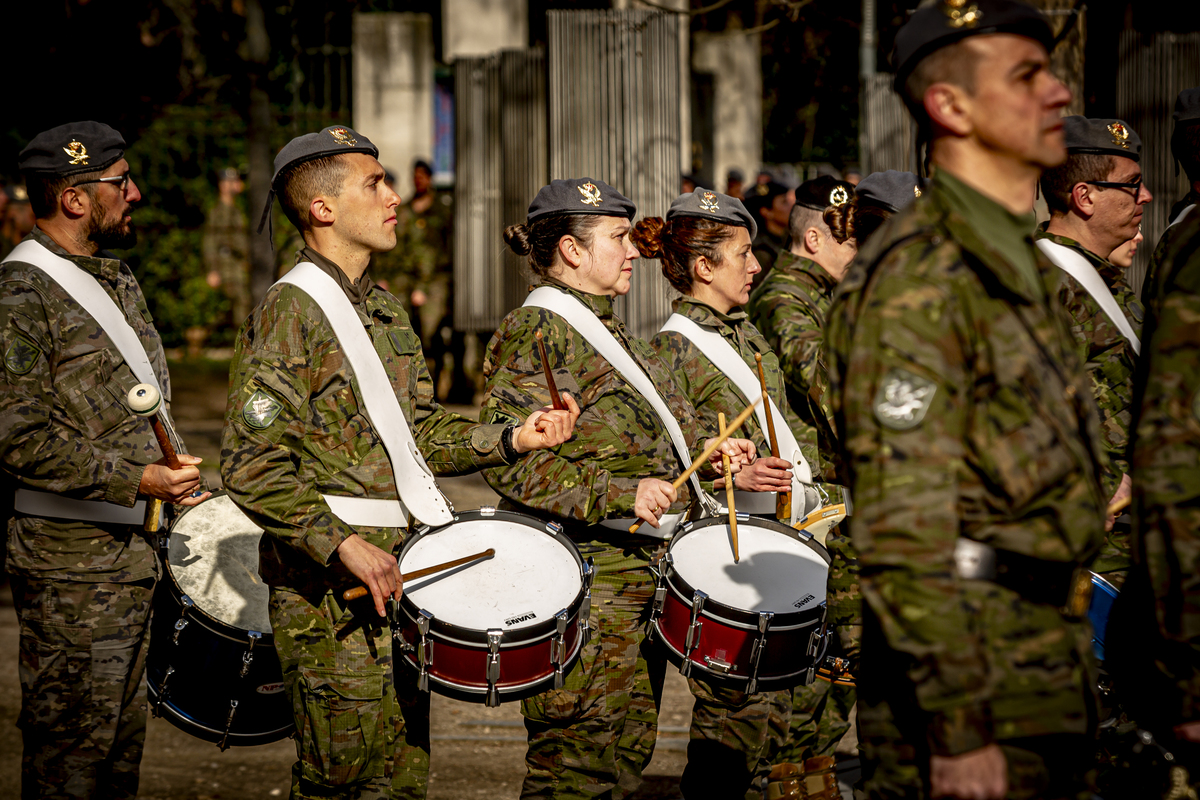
(708, 451)
(362, 591)
(729, 492)
(144, 400)
(783, 500)
(555, 400)
(1120, 505)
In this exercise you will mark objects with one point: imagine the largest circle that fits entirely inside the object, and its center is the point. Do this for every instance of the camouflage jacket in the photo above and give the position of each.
(619, 439)
(965, 411)
(790, 308)
(711, 392)
(1109, 355)
(64, 422)
(1166, 454)
(225, 246)
(295, 427)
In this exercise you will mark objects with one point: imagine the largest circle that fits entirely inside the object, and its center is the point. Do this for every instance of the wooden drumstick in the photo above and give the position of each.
(708, 451)
(362, 591)
(144, 400)
(555, 400)
(1120, 505)
(783, 500)
(729, 492)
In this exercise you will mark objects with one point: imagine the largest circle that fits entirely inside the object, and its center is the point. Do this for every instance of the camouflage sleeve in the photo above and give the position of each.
(40, 449)
(263, 455)
(796, 326)
(902, 403)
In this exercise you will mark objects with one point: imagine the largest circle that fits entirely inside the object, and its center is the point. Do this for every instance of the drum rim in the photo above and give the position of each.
(472, 637)
(190, 725)
(196, 613)
(808, 540)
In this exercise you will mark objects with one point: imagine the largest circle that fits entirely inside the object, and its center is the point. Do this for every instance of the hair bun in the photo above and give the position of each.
(647, 236)
(517, 239)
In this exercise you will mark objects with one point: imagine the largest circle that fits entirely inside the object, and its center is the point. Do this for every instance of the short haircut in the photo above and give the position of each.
(954, 64)
(1058, 182)
(801, 219)
(321, 176)
(45, 190)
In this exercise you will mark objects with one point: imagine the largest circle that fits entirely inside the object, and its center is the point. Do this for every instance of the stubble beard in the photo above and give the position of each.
(118, 235)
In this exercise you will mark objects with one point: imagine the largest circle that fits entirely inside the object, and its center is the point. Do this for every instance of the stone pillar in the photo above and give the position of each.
(735, 61)
(393, 88)
(483, 27)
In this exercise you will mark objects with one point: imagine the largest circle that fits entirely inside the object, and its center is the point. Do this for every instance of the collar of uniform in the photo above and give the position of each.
(703, 313)
(803, 267)
(101, 266)
(601, 305)
(357, 292)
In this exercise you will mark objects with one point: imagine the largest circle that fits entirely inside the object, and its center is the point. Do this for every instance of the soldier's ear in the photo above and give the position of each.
(1083, 201)
(704, 269)
(571, 251)
(322, 210)
(75, 202)
(948, 106)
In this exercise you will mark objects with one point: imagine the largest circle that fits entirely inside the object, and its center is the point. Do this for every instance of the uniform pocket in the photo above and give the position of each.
(89, 401)
(343, 729)
(55, 667)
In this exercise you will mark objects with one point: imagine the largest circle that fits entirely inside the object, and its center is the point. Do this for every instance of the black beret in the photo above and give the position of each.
(766, 192)
(707, 204)
(1102, 137)
(72, 149)
(823, 192)
(579, 196)
(335, 140)
(945, 22)
(890, 189)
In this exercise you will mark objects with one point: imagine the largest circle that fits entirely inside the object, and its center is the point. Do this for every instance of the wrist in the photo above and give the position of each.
(508, 444)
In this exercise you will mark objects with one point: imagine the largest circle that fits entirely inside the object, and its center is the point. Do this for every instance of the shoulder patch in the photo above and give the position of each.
(1137, 311)
(261, 410)
(902, 400)
(21, 354)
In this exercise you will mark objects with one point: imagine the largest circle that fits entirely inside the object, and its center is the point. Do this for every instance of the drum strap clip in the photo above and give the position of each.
(693, 634)
(493, 666)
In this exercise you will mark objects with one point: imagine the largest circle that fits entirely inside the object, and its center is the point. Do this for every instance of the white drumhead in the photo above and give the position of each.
(776, 572)
(213, 556)
(530, 579)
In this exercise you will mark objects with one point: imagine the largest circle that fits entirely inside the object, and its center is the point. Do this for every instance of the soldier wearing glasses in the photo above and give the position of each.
(83, 571)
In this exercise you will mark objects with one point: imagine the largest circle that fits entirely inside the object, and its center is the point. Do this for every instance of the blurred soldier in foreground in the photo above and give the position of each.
(225, 246)
(84, 464)
(970, 438)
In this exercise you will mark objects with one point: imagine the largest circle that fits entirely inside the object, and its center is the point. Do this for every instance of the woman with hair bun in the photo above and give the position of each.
(636, 432)
(877, 198)
(704, 245)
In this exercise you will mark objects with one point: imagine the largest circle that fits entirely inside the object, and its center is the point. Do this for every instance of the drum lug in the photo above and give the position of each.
(759, 647)
(248, 656)
(162, 691)
(493, 666)
(182, 622)
(585, 608)
(424, 649)
(809, 675)
(487, 511)
(558, 647)
(693, 634)
(224, 743)
(660, 586)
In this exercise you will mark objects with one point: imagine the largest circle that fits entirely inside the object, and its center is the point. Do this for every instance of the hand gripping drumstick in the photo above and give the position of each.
(555, 400)
(783, 500)
(708, 451)
(1120, 505)
(729, 492)
(144, 400)
(362, 591)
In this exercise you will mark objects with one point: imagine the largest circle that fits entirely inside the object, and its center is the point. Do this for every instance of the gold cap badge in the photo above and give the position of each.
(591, 195)
(960, 14)
(77, 152)
(1120, 135)
(839, 196)
(708, 202)
(342, 136)
(916, 190)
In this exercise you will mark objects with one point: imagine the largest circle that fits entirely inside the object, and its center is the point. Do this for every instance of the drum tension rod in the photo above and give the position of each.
(816, 645)
(182, 622)
(162, 691)
(424, 649)
(247, 658)
(660, 586)
(693, 634)
(493, 666)
(558, 647)
(759, 647)
(585, 608)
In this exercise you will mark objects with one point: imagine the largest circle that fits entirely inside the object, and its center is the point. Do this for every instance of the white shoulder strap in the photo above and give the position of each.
(734, 367)
(414, 480)
(581, 318)
(1079, 268)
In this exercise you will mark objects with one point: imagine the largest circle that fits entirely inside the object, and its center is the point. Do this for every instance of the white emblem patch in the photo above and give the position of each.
(261, 410)
(902, 400)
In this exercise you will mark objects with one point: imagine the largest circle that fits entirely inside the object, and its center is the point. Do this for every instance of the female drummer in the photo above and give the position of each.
(704, 247)
(594, 736)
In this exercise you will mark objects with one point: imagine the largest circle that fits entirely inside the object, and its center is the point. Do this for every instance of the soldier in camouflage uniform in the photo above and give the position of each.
(705, 249)
(225, 246)
(296, 433)
(971, 439)
(593, 737)
(1095, 199)
(77, 455)
(1185, 147)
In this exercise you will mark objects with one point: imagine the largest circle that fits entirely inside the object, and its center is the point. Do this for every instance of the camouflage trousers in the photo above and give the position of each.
(358, 735)
(734, 740)
(820, 718)
(593, 737)
(83, 696)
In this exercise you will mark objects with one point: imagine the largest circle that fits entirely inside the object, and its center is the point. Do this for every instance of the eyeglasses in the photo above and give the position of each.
(120, 181)
(1135, 185)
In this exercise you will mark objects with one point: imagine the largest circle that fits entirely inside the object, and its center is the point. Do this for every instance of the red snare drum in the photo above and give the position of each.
(501, 628)
(757, 624)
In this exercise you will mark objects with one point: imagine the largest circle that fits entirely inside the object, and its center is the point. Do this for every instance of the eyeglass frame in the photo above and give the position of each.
(1135, 185)
(120, 181)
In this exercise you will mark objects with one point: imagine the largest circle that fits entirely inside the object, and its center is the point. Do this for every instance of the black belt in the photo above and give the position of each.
(1062, 584)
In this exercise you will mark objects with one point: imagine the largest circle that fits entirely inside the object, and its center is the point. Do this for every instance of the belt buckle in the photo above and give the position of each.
(1080, 597)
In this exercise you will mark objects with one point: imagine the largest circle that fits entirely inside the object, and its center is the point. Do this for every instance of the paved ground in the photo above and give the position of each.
(477, 751)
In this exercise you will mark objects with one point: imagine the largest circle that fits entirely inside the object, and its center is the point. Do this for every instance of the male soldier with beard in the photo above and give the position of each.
(83, 463)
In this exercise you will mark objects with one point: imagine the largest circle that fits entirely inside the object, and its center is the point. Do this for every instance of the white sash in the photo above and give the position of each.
(414, 480)
(730, 362)
(1074, 264)
(581, 318)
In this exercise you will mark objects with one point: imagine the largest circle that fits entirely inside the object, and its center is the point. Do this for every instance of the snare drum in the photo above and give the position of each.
(497, 629)
(212, 669)
(759, 623)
